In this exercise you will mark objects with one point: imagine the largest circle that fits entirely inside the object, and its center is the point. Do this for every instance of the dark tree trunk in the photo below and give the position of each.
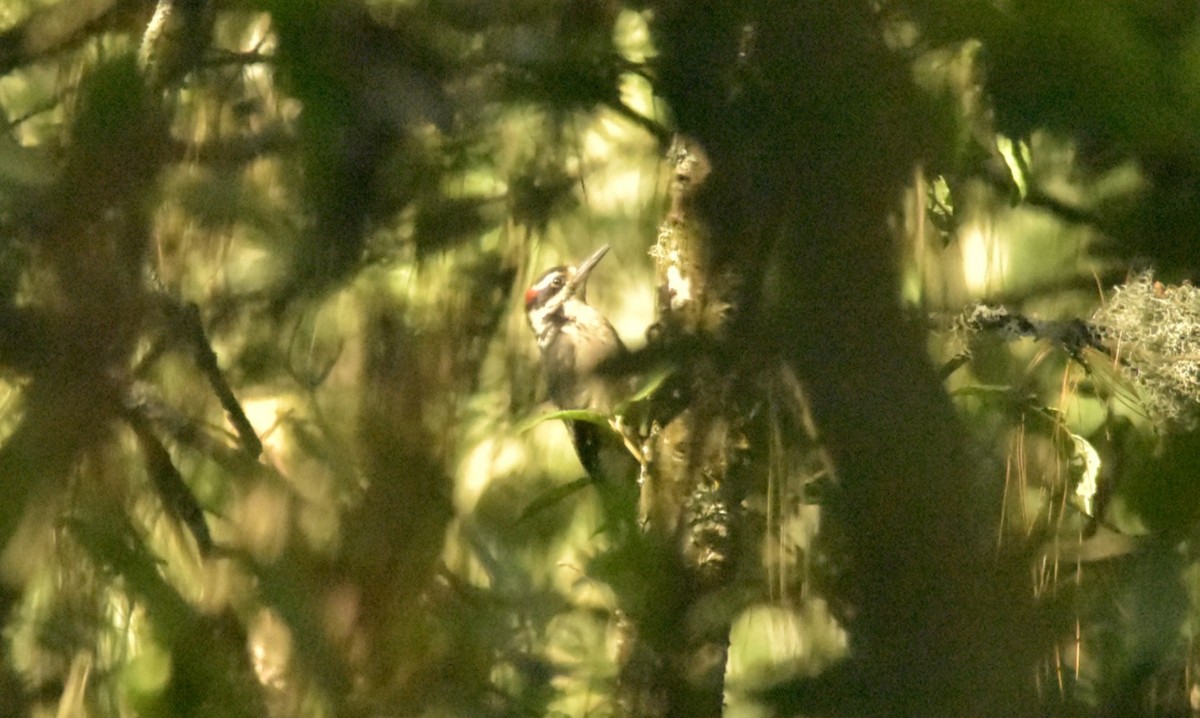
(808, 124)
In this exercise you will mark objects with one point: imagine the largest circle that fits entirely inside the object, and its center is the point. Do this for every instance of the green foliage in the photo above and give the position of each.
(272, 440)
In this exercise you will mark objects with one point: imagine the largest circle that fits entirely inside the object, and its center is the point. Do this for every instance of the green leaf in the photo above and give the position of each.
(652, 384)
(553, 496)
(1016, 157)
(591, 417)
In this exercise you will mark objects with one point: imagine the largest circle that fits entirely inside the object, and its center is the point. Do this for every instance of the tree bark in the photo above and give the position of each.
(808, 123)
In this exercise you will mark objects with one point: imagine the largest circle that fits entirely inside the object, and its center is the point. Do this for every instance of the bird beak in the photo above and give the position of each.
(579, 281)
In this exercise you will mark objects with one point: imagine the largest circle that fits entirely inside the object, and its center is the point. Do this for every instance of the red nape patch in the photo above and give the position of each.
(530, 295)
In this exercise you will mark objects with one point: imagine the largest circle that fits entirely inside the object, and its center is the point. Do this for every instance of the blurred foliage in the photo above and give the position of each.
(272, 437)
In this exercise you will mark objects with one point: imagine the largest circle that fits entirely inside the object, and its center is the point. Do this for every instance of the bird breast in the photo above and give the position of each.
(573, 354)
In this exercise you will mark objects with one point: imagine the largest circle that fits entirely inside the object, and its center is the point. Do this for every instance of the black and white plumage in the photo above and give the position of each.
(575, 339)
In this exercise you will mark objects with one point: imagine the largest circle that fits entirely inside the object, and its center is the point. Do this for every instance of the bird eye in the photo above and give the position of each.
(558, 282)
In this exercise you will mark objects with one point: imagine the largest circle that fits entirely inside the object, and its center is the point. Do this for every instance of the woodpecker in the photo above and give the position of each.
(574, 339)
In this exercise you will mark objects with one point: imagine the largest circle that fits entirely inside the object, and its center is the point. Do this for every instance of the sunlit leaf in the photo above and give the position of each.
(591, 417)
(1087, 465)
